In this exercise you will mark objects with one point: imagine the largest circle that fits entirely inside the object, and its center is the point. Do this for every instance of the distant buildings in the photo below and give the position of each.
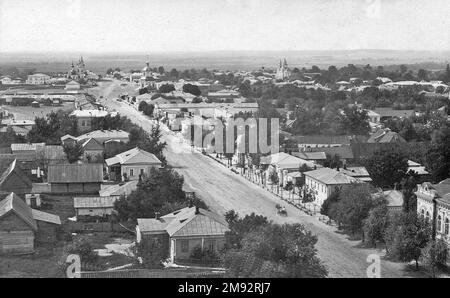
(38, 79)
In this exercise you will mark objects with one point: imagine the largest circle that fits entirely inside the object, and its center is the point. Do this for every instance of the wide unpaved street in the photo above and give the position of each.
(223, 190)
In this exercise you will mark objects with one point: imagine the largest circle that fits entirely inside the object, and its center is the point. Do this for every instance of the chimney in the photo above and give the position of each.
(197, 210)
(156, 215)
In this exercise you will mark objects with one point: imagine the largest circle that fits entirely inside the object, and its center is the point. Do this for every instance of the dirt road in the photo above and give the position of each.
(223, 190)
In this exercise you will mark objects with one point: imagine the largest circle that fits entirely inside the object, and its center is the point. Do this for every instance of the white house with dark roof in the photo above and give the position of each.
(131, 164)
(325, 181)
(180, 232)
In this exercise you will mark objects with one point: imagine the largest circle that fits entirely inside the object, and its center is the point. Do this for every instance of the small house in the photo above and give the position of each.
(182, 231)
(131, 164)
(22, 227)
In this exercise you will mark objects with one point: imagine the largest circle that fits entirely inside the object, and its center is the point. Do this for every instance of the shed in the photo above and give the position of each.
(75, 178)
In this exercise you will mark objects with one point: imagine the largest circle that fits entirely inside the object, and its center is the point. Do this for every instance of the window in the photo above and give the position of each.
(131, 172)
(446, 226)
(142, 171)
(422, 214)
(210, 245)
(439, 223)
(83, 123)
(184, 246)
(428, 217)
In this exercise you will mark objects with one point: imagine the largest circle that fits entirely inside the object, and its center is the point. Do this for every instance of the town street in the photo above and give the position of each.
(223, 190)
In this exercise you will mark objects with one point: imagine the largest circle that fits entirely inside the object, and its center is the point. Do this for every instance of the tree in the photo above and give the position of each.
(355, 121)
(192, 89)
(437, 157)
(332, 161)
(239, 227)
(387, 167)
(159, 191)
(276, 251)
(161, 70)
(406, 236)
(408, 185)
(327, 205)
(355, 202)
(245, 89)
(434, 255)
(166, 88)
(376, 224)
(74, 152)
(151, 253)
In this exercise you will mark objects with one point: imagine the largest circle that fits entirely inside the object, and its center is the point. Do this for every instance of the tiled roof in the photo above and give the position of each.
(133, 156)
(330, 176)
(12, 203)
(75, 173)
(94, 202)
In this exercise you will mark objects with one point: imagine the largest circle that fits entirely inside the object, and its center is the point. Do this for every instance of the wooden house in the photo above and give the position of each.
(21, 228)
(75, 178)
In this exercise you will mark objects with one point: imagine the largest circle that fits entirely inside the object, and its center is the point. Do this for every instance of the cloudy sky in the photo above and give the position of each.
(208, 25)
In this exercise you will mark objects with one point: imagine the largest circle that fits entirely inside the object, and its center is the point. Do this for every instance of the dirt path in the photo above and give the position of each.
(223, 190)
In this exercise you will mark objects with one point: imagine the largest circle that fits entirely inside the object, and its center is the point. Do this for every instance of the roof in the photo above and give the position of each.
(186, 222)
(54, 152)
(133, 156)
(394, 198)
(386, 136)
(94, 202)
(14, 168)
(75, 173)
(330, 176)
(310, 155)
(46, 217)
(344, 152)
(68, 137)
(14, 122)
(119, 189)
(26, 147)
(89, 113)
(390, 112)
(357, 172)
(13, 203)
(91, 144)
(105, 134)
(322, 139)
(283, 160)
(416, 167)
(5, 161)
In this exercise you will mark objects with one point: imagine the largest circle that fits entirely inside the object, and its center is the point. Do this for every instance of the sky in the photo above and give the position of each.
(222, 25)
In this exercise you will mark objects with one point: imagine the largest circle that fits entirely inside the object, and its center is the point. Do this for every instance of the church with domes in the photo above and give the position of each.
(283, 72)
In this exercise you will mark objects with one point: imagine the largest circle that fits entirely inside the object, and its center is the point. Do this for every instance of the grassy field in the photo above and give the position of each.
(29, 113)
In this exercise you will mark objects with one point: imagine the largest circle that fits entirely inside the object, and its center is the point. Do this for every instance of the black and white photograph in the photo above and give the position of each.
(224, 145)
